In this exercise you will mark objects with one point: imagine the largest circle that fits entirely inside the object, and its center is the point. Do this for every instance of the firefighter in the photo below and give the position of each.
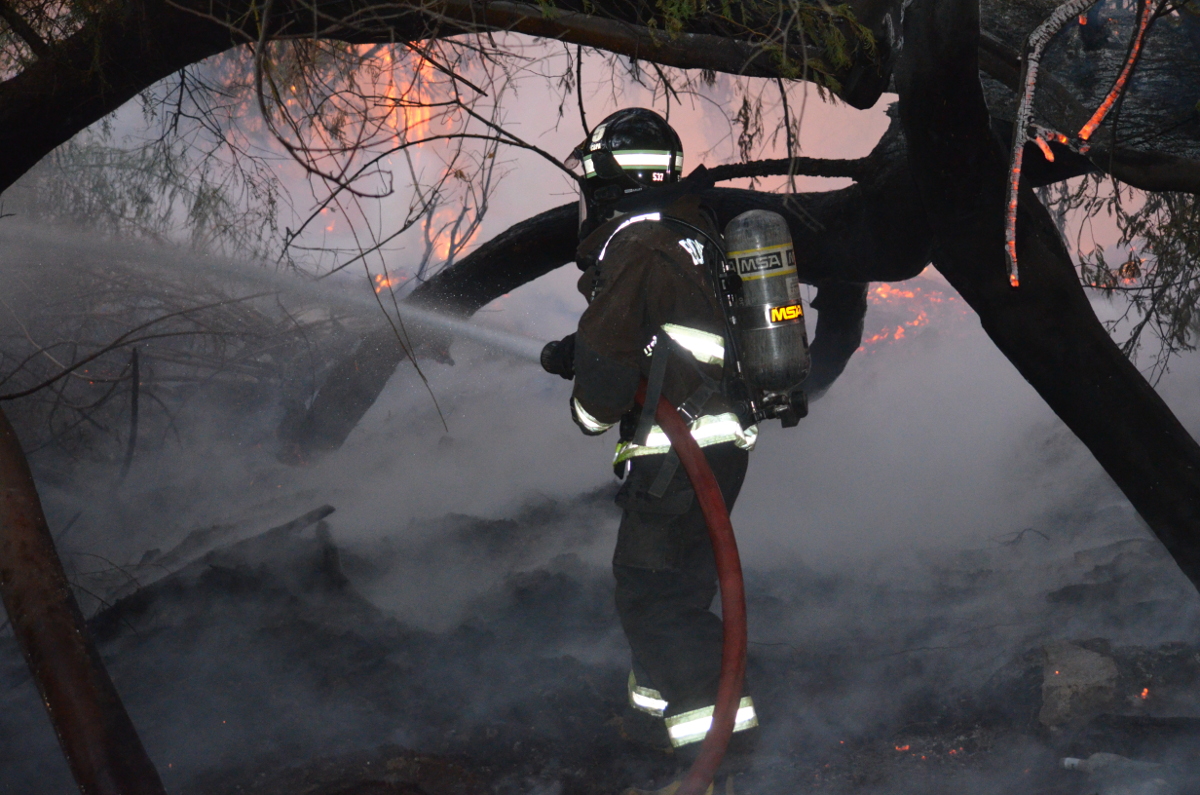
(653, 315)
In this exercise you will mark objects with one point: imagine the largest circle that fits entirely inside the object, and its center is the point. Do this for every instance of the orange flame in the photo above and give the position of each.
(383, 282)
(915, 299)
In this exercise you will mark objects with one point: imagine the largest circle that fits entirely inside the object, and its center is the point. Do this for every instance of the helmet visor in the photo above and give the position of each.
(575, 159)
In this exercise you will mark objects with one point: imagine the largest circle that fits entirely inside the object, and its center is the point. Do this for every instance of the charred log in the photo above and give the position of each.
(516, 256)
(1046, 328)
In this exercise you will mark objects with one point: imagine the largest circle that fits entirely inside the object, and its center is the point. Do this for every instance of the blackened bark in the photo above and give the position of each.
(869, 231)
(516, 256)
(841, 308)
(95, 732)
(1046, 327)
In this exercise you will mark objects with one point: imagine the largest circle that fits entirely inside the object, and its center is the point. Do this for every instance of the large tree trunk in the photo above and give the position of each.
(1046, 327)
(102, 747)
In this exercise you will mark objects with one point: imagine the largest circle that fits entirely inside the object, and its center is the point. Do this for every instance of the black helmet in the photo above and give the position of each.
(631, 150)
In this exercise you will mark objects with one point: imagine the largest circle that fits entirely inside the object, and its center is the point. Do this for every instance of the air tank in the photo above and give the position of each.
(769, 317)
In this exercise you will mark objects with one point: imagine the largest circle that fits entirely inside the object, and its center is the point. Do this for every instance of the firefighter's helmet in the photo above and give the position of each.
(630, 151)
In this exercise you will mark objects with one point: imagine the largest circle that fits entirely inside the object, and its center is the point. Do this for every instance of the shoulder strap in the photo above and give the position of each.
(633, 219)
(654, 385)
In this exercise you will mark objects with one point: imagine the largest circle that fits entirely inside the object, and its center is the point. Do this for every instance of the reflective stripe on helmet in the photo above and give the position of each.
(645, 699)
(640, 159)
(691, 727)
(589, 423)
(707, 430)
(705, 347)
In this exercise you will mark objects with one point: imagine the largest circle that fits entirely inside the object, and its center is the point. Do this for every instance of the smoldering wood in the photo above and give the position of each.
(1047, 328)
(956, 662)
(115, 583)
(1153, 140)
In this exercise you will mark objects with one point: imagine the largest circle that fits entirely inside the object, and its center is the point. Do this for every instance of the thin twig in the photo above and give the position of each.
(135, 375)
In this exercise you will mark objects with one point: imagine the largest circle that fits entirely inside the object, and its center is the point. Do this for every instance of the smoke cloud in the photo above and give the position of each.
(909, 550)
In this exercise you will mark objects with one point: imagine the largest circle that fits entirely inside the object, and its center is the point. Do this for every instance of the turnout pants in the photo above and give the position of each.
(666, 581)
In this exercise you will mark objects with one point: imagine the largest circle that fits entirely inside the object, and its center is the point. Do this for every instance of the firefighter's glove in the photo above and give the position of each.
(559, 357)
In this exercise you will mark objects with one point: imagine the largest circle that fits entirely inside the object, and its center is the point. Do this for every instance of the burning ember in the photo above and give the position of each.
(1147, 14)
(384, 282)
(920, 302)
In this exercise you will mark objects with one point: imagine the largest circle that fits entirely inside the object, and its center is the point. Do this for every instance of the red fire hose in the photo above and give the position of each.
(733, 596)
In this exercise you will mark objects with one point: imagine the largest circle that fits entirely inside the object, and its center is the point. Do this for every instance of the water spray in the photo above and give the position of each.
(418, 320)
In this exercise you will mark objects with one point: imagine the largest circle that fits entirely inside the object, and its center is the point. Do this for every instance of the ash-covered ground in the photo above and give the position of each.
(945, 593)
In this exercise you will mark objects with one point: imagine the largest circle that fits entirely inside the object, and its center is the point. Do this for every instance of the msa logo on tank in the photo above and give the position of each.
(781, 314)
(764, 262)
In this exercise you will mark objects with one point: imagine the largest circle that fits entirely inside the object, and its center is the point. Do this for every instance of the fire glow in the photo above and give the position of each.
(410, 114)
(383, 282)
(921, 303)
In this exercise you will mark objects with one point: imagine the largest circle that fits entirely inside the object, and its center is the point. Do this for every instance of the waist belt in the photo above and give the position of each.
(706, 429)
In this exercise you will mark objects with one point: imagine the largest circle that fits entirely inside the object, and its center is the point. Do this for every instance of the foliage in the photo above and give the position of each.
(1159, 275)
(211, 336)
(826, 36)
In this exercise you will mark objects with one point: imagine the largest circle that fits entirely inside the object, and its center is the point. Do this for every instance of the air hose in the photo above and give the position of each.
(733, 595)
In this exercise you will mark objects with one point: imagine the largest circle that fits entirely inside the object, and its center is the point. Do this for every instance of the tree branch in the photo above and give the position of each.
(99, 740)
(23, 29)
(855, 169)
(1047, 327)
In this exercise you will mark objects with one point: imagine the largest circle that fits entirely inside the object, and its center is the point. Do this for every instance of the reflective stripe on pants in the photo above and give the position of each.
(691, 727)
(645, 699)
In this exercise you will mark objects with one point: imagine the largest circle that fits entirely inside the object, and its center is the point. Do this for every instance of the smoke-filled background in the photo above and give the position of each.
(914, 549)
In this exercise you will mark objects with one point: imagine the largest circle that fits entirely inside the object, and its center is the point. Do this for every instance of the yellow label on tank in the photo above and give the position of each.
(782, 313)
